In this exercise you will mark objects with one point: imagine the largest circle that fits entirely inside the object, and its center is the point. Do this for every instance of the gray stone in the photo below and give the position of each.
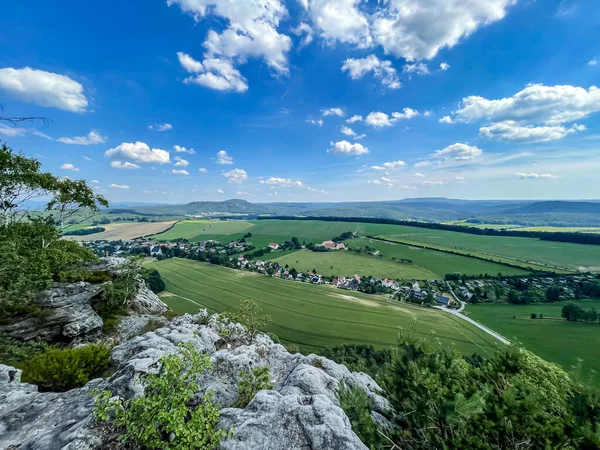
(147, 302)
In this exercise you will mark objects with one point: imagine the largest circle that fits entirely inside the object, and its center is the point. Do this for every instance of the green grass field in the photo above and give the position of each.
(348, 263)
(436, 263)
(553, 338)
(311, 316)
(515, 250)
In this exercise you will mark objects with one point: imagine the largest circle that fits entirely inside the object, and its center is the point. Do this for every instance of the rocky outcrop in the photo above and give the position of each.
(147, 302)
(300, 412)
(66, 315)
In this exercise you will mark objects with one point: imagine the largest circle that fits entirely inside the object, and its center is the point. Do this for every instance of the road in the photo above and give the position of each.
(458, 313)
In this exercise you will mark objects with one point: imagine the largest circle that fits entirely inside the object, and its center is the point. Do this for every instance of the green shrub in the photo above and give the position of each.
(64, 369)
(154, 280)
(250, 384)
(249, 316)
(170, 314)
(162, 418)
(151, 325)
(358, 407)
(14, 352)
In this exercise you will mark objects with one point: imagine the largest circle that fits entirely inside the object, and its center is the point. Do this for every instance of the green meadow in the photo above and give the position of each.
(308, 315)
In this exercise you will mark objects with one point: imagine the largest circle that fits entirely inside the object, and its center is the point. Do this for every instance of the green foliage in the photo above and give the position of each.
(358, 407)
(84, 231)
(151, 325)
(62, 370)
(250, 384)
(360, 358)
(154, 280)
(14, 352)
(164, 416)
(250, 316)
(116, 294)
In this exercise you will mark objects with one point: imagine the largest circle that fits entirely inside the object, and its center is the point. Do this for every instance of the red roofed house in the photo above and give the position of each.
(273, 246)
(328, 244)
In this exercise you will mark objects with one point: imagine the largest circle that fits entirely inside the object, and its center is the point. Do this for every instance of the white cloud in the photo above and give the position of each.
(418, 175)
(444, 66)
(332, 112)
(536, 103)
(360, 136)
(446, 119)
(416, 68)
(92, 138)
(379, 119)
(180, 149)
(95, 181)
(283, 182)
(315, 122)
(180, 162)
(139, 152)
(160, 127)
(306, 30)
(459, 179)
(224, 158)
(354, 118)
(202, 170)
(69, 166)
(433, 182)
(236, 176)
(535, 176)
(593, 62)
(123, 165)
(340, 20)
(347, 131)
(389, 165)
(415, 29)
(44, 88)
(346, 148)
(382, 70)
(428, 113)
(118, 186)
(458, 152)
(511, 131)
(251, 32)
(179, 172)
(87, 158)
(215, 73)
(220, 191)
(12, 131)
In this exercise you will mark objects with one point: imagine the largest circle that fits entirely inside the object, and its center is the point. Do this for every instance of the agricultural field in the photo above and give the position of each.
(593, 230)
(123, 230)
(525, 252)
(348, 263)
(493, 226)
(436, 263)
(308, 315)
(552, 338)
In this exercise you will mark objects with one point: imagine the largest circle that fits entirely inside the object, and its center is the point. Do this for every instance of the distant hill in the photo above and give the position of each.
(439, 209)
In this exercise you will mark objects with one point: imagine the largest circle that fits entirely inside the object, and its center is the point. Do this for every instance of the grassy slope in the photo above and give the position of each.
(348, 263)
(437, 262)
(200, 229)
(555, 340)
(312, 316)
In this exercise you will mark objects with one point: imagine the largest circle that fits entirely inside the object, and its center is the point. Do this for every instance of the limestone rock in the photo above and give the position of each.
(147, 302)
(301, 411)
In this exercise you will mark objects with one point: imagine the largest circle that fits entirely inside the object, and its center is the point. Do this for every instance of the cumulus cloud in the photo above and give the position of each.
(160, 127)
(202, 170)
(511, 131)
(12, 131)
(389, 165)
(418, 175)
(250, 32)
(416, 68)
(593, 62)
(179, 172)
(304, 29)
(220, 191)
(92, 138)
(346, 148)
(341, 21)
(458, 152)
(446, 119)
(534, 176)
(214, 73)
(354, 118)
(459, 179)
(332, 112)
(382, 70)
(180, 162)
(536, 103)
(428, 113)
(444, 66)
(236, 176)
(224, 158)
(283, 182)
(348, 131)
(379, 119)
(433, 182)
(118, 186)
(315, 122)
(123, 165)
(69, 166)
(44, 88)
(139, 152)
(180, 149)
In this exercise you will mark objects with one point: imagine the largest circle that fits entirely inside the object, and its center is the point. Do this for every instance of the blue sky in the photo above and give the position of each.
(308, 100)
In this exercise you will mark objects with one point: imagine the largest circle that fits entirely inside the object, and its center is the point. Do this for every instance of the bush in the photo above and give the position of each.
(62, 370)
(14, 352)
(249, 316)
(154, 280)
(250, 384)
(163, 418)
(358, 407)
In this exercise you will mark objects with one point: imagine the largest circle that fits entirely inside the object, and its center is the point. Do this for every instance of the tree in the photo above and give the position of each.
(250, 316)
(553, 293)
(533, 315)
(572, 312)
